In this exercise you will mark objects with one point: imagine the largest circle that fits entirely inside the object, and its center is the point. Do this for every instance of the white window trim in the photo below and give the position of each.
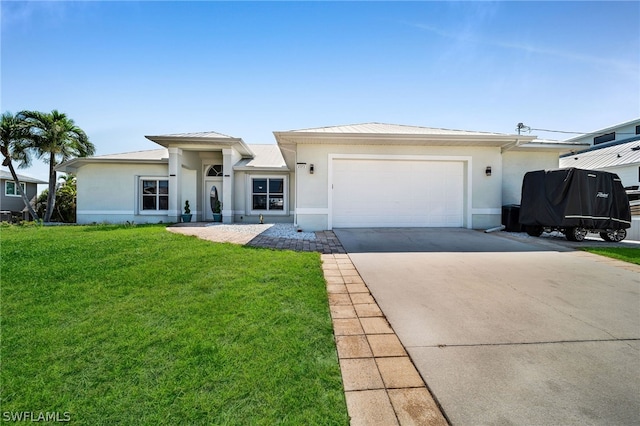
(285, 195)
(17, 194)
(209, 166)
(139, 209)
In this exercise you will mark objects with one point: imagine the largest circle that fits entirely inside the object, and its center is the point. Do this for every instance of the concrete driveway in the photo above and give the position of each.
(508, 331)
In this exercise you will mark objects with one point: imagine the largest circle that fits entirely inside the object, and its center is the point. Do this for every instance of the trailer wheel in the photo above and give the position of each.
(576, 234)
(614, 235)
(534, 231)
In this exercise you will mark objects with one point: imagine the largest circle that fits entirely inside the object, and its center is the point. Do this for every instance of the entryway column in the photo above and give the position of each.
(229, 157)
(175, 184)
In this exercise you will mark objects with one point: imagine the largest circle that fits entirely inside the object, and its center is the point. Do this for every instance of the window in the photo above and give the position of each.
(637, 130)
(608, 137)
(215, 170)
(267, 194)
(155, 194)
(11, 190)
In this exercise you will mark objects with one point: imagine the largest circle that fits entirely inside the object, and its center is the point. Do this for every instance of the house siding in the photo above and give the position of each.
(313, 200)
(108, 193)
(242, 198)
(515, 164)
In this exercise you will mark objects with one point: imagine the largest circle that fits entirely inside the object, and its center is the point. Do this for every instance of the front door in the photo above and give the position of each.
(211, 187)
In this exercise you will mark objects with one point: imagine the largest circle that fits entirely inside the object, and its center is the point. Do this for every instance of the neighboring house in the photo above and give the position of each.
(614, 149)
(10, 199)
(372, 174)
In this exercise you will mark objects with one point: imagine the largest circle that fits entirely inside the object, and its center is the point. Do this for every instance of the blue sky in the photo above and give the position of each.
(123, 70)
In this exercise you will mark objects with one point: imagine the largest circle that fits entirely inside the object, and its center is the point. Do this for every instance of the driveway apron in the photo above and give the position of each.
(508, 331)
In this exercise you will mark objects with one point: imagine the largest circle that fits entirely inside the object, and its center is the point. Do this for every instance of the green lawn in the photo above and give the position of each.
(631, 255)
(136, 325)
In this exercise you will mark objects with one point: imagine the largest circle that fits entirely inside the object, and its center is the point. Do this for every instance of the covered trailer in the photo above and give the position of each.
(575, 202)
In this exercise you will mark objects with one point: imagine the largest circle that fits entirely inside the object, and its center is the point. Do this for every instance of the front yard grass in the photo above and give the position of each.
(137, 325)
(631, 255)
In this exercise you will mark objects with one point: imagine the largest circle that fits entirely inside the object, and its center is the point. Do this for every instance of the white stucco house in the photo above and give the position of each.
(362, 175)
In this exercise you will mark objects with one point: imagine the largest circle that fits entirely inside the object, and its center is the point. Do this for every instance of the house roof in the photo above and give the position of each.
(390, 129)
(382, 133)
(202, 141)
(608, 156)
(6, 175)
(198, 135)
(267, 156)
(149, 156)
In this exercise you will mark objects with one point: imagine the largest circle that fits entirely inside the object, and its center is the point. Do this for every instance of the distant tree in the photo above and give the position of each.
(55, 138)
(15, 145)
(65, 203)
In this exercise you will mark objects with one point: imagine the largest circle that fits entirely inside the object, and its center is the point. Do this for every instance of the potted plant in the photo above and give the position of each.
(186, 217)
(217, 211)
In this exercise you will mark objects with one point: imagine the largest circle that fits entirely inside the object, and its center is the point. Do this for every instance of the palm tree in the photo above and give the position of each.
(14, 145)
(56, 139)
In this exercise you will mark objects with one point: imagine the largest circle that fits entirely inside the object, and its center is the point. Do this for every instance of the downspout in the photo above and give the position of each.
(510, 146)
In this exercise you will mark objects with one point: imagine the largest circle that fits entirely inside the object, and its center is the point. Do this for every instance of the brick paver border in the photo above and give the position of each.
(382, 386)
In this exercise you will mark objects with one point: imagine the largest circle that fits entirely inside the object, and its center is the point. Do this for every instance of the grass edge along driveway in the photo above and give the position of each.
(137, 325)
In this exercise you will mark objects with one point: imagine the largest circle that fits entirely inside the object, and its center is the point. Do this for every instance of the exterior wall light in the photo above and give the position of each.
(487, 171)
(311, 168)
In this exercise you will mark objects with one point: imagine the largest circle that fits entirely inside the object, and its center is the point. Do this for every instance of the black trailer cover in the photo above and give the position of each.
(574, 197)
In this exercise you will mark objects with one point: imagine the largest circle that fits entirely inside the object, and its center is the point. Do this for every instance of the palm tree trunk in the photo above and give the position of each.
(27, 204)
(51, 196)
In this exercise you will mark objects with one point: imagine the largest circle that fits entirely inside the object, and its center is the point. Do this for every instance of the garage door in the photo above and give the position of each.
(388, 193)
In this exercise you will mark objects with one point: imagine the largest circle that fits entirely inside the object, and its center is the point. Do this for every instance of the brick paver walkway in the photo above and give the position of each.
(326, 242)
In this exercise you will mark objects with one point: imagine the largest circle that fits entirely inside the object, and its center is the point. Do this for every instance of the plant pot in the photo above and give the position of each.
(217, 217)
(186, 217)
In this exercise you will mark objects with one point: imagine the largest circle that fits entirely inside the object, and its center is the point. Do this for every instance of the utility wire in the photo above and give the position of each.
(521, 127)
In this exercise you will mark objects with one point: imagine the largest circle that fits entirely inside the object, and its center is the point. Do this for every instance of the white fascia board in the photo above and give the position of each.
(260, 169)
(202, 143)
(73, 165)
(560, 147)
(381, 138)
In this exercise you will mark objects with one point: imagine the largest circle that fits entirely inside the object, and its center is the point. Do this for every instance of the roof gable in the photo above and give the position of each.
(196, 135)
(267, 156)
(202, 141)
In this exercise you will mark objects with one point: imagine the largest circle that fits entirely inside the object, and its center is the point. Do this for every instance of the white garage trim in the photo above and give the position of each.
(466, 160)
(486, 211)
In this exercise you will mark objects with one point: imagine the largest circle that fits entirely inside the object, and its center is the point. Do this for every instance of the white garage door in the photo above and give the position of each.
(396, 193)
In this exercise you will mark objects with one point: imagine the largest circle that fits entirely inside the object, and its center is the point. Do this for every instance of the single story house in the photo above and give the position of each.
(11, 203)
(362, 175)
